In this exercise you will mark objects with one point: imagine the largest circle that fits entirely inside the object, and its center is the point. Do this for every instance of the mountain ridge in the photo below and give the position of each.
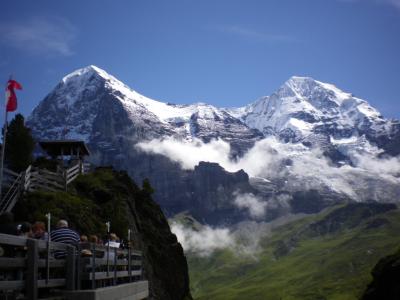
(299, 105)
(306, 136)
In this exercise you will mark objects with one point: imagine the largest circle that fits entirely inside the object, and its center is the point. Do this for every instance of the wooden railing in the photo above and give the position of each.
(28, 268)
(33, 179)
(42, 179)
(14, 181)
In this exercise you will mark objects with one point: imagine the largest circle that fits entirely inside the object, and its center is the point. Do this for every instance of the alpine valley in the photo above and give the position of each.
(262, 195)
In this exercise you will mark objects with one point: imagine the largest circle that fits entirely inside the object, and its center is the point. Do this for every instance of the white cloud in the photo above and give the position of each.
(389, 166)
(279, 201)
(258, 207)
(255, 205)
(189, 154)
(243, 240)
(294, 165)
(40, 35)
(204, 241)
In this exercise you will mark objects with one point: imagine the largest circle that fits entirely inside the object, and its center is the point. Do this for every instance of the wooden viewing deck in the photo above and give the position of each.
(28, 271)
(34, 179)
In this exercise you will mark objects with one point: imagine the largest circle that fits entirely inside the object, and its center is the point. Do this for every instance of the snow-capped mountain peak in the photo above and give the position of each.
(303, 106)
(87, 95)
(309, 89)
(86, 72)
(302, 109)
(307, 86)
(88, 77)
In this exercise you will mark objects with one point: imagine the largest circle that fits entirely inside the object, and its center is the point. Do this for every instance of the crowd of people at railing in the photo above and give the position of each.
(61, 234)
(109, 258)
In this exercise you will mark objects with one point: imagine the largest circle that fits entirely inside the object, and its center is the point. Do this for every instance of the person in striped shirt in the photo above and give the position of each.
(63, 234)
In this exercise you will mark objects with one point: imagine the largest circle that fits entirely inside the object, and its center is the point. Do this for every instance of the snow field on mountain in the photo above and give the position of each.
(301, 168)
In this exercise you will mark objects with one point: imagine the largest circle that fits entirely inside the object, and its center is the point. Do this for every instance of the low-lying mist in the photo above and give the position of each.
(300, 168)
(242, 240)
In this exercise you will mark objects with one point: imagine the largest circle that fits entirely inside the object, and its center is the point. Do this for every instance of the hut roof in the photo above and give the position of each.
(65, 147)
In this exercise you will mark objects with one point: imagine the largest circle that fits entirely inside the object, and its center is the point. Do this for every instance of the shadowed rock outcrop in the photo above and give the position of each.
(385, 284)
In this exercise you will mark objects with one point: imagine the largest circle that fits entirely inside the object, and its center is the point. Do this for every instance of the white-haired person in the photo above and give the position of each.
(63, 234)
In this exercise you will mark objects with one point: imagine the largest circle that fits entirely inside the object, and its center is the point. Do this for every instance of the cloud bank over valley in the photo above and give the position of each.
(367, 177)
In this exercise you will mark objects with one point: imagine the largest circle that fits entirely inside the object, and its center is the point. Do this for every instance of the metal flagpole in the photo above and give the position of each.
(3, 147)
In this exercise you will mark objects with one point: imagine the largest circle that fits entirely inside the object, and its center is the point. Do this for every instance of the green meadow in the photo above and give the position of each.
(325, 256)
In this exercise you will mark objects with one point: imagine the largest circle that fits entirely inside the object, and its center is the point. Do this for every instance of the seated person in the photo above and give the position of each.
(39, 231)
(63, 234)
(112, 243)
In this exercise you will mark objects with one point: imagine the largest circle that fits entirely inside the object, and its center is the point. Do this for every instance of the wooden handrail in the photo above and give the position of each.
(34, 178)
(7, 239)
(10, 196)
(10, 172)
(103, 262)
(43, 181)
(125, 267)
(72, 169)
(105, 248)
(50, 175)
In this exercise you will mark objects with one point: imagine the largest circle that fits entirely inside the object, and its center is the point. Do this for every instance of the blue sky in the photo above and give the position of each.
(223, 52)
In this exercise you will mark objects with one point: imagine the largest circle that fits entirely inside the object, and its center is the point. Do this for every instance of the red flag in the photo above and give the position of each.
(11, 97)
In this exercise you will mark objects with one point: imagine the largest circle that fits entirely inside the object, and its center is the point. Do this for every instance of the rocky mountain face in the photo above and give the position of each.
(210, 181)
(165, 263)
(303, 113)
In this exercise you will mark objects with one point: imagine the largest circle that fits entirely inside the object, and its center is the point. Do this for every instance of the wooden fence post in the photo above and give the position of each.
(78, 269)
(70, 270)
(93, 266)
(32, 272)
(129, 263)
(115, 266)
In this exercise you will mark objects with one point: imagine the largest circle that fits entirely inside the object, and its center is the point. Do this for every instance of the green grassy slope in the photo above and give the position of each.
(330, 259)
